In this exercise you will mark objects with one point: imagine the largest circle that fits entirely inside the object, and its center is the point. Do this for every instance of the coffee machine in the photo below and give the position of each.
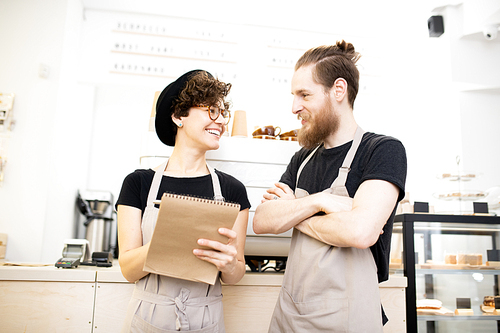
(96, 222)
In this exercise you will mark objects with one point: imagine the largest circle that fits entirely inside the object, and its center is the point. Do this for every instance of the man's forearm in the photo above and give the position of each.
(348, 222)
(335, 229)
(277, 216)
(359, 227)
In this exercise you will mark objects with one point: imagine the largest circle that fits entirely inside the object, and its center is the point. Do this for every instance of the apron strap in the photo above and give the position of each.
(346, 165)
(155, 185)
(216, 184)
(183, 296)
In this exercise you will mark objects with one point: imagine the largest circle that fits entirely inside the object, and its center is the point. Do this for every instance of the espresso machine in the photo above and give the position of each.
(96, 223)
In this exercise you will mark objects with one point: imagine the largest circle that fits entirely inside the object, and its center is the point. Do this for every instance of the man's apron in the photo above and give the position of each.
(163, 304)
(328, 288)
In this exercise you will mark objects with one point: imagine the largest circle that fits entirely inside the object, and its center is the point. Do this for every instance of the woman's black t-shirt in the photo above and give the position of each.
(135, 188)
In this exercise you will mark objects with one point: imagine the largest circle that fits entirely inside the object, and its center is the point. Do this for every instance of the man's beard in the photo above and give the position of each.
(319, 126)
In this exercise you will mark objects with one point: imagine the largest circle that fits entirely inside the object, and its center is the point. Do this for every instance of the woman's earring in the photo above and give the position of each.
(180, 125)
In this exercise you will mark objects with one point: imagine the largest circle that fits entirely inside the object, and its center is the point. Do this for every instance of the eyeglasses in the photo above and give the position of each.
(214, 112)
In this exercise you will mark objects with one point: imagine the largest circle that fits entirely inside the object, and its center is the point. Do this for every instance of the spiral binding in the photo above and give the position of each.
(200, 199)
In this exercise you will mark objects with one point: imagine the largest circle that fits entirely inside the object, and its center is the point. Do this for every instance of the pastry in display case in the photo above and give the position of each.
(488, 305)
(432, 307)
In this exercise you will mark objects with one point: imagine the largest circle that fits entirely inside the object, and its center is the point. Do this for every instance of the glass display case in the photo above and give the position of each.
(452, 265)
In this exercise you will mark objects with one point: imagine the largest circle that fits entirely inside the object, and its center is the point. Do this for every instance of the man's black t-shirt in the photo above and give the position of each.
(378, 157)
(135, 188)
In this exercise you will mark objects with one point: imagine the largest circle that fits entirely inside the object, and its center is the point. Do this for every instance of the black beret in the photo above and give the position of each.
(165, 127)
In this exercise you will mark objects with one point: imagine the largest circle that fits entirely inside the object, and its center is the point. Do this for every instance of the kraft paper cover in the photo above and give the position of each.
(182, 220)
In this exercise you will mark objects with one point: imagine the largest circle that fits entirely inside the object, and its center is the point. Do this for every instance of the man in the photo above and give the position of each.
(339, 193)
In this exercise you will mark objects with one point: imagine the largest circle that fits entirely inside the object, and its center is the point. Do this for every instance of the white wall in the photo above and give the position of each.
(31, 35)
(476, 78)
(79, 130)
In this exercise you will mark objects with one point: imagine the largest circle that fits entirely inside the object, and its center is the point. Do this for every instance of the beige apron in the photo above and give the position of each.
(328, 288)
(162, 304)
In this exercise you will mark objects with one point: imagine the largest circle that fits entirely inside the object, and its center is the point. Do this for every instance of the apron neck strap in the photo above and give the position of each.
(216, 184)
(346, 165)
(155, 185)
(303, 164)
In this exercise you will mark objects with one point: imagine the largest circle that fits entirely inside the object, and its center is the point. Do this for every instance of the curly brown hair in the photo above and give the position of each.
(332, 62)
(201, 89)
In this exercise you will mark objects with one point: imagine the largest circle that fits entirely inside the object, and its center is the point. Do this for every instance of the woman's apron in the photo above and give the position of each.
(328, 288)
(163, 304)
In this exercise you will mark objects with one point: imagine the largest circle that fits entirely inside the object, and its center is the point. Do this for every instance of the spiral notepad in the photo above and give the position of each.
(181, 221)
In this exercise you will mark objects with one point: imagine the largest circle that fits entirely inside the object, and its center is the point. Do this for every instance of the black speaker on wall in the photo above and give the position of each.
(435, 25)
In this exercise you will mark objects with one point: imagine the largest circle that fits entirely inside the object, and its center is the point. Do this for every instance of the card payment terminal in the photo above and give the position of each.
(74, 252)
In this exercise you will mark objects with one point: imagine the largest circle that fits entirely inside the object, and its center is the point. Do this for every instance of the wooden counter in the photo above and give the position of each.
(249, 304)
(90, 299)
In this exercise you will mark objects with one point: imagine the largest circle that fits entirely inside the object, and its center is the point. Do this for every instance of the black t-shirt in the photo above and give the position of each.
(378, 157)
(135, 188)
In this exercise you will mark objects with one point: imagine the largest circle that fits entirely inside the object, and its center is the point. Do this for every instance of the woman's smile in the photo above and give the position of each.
(213, 131)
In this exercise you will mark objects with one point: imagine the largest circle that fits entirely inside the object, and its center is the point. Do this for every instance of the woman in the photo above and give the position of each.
(191, 115)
